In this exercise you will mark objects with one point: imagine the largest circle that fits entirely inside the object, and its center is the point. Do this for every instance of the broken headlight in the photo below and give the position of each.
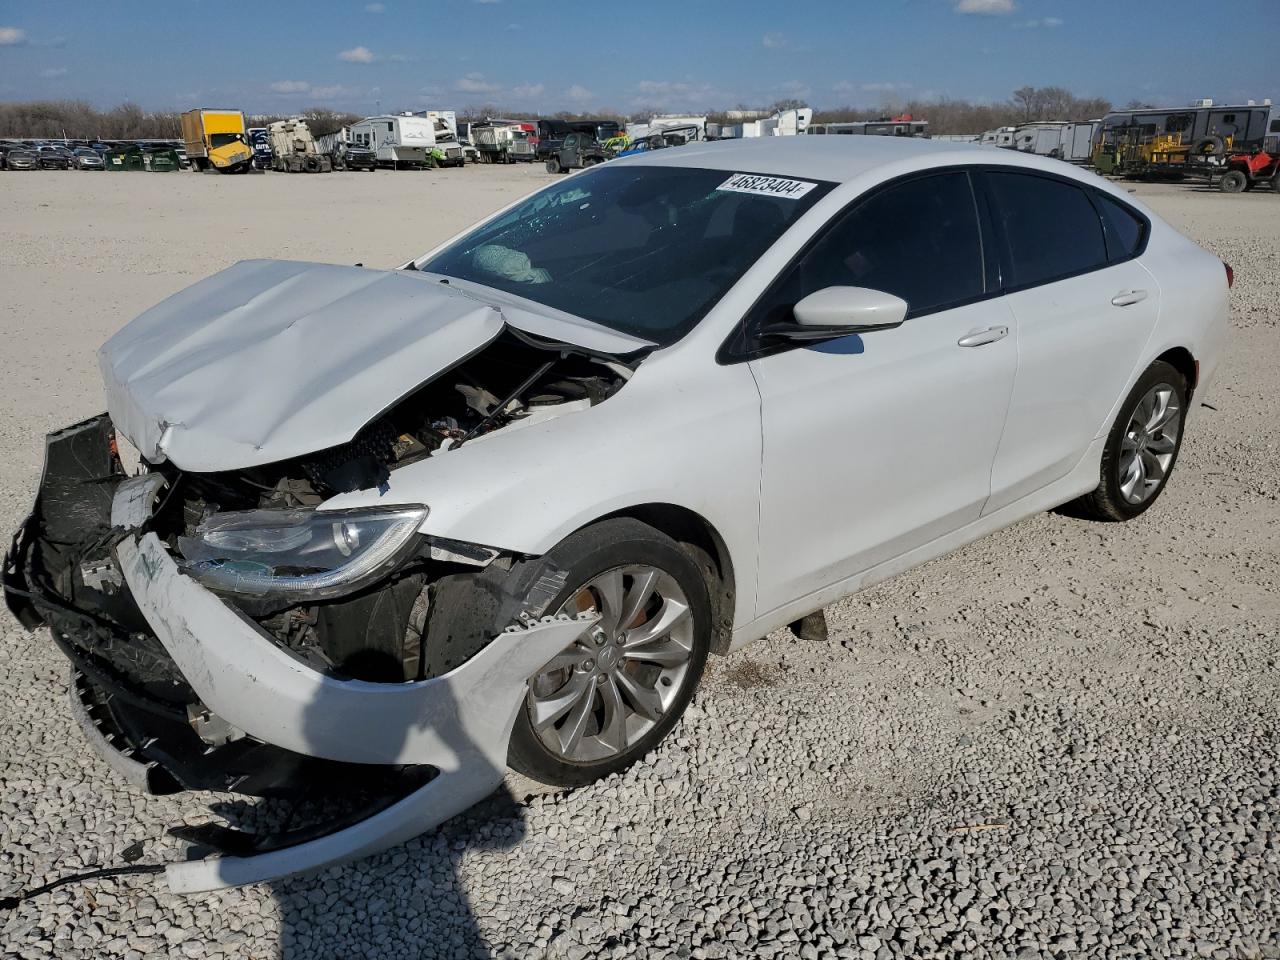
(302, 554)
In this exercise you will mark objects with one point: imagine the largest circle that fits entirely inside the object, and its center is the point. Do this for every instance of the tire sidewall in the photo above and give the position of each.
(1158, 372)
(583, 556)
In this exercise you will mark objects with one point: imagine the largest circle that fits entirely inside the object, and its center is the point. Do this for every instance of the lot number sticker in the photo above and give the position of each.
(769, 186)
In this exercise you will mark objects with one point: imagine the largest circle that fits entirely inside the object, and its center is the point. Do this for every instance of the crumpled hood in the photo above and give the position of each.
(272, 359)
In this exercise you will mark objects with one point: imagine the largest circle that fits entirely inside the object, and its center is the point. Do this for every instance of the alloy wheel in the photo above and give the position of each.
(1149, 443)
(603, 693)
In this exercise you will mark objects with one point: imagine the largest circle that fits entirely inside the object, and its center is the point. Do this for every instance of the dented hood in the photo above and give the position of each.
(272, 359)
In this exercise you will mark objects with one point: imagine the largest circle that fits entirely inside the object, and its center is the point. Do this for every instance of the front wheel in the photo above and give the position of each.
(1142, 447)
(553, 165)
(1233, 181)
(607, 700)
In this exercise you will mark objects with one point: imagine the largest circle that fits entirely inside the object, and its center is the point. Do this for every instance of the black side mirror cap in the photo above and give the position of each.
(809, 333)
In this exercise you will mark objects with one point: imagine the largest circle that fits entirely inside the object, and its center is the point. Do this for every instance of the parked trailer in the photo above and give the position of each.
(999, 137)
(402, 141)
(1178, 140)
(294, 150)
(216, 140)
(901, 126)
(1077, 140)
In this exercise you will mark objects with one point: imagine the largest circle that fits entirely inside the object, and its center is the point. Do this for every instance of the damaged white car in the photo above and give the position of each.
(495, 508)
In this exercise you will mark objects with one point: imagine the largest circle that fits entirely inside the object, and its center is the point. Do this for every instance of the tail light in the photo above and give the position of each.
(1231, 275)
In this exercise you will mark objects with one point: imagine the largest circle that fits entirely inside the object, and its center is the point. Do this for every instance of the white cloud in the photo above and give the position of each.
(51, 72)
(674, 94)
(333, 91)
(513, 26)
(12, 36)
(302, 88)
(793, 89)
(476, 83)
(401, 58)
(986, 6)
(774, 41)
(375, 8)
(357, 55)
(527, 91)
(578, 93)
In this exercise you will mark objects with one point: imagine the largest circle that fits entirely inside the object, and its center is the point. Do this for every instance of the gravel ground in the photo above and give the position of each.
(1058, 742)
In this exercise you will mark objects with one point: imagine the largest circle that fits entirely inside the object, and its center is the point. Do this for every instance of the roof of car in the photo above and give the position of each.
(833, 157)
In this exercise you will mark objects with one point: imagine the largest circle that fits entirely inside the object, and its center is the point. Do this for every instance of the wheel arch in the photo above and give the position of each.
(1180, 359)
(700, 537)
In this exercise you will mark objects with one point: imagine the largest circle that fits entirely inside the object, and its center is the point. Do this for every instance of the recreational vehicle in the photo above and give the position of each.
(409, 140)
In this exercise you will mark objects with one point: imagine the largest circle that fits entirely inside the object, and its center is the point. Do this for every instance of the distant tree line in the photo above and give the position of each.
(76, 119)
(946, 115)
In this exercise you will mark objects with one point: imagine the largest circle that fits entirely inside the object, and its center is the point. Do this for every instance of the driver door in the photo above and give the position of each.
(879, 443)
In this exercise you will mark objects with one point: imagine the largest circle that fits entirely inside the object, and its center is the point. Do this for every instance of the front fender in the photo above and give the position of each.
(658, 440)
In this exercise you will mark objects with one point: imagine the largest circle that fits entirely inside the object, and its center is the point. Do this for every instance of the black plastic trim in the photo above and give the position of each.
(1089, 192)
(741, 346)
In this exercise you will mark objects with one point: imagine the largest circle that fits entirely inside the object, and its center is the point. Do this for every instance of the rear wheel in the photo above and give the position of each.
(1142, 447)
(1233, 181)
(607, 700)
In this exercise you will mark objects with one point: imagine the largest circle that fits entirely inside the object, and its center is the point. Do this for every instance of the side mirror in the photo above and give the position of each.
(840, 312)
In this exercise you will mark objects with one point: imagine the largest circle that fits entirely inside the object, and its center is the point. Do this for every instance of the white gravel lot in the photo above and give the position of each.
(1061, 741)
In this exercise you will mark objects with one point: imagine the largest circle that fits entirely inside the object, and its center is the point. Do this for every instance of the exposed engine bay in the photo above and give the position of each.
(511, 382)
(390, 634)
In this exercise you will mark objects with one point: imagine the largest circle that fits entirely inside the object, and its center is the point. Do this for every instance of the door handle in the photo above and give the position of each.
(981, 337)
(1127, 298)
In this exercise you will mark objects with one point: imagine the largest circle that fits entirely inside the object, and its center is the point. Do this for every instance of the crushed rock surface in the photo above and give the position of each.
(1060, 741)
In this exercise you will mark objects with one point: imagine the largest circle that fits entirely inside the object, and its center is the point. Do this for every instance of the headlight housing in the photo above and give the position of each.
(299, 554)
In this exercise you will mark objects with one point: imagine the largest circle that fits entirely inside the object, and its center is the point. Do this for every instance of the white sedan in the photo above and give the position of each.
(407, 528)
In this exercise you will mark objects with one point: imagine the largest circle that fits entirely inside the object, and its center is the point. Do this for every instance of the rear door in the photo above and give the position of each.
(1085, 308)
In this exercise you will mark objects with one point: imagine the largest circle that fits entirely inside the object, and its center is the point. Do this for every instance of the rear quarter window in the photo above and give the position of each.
(1049, 229)
(1125, 230)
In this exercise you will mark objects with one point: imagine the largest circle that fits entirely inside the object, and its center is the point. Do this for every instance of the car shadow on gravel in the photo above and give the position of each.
(408, 901)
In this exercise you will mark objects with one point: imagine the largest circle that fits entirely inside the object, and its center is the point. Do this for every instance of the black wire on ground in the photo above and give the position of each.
(8, 903)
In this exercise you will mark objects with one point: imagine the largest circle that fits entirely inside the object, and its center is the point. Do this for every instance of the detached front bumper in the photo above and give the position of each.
(451, 731)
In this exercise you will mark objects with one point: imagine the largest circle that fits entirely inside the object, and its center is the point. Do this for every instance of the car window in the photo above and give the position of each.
(642, 249)
(1125, 230)
(1049, 228)
(918, 240)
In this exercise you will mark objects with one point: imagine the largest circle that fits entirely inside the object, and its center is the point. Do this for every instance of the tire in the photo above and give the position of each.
(1233, 181)
(602, 551)
(1110, 502)
(553, 166)
(1209, 147)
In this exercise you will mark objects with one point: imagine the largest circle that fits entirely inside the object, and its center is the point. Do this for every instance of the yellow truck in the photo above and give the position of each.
(216, 140)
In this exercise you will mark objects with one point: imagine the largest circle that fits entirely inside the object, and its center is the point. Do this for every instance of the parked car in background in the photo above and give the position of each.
(87, 158)
(417, 548)
(352, 156)
(54, 157)
(22, 158)
(575, 151)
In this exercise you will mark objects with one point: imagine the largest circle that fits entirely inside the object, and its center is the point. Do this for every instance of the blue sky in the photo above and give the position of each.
(277, 55)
